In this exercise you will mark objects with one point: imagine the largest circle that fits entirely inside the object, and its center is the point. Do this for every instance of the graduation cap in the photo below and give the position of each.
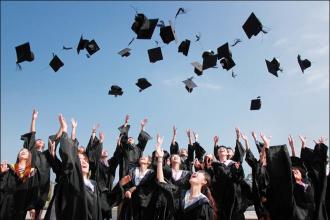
(143, 83)
(190, 85)
(298, 163)
(92, 47)
(273, 66)
(155, 54)
(56, 63)
(184, 47)
(125, 52)
(209, 59)
(255, 104)
(82, 44)
(167, 33)
(252, 26)
(144, 27)
(304, 64)
(115, 90)
(227, 63)
(224, 51)
(199, 151)
(198, 68)
(24, 53)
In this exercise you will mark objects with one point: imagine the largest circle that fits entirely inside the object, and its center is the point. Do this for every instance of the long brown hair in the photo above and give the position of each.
(207, 192)
(28, 167)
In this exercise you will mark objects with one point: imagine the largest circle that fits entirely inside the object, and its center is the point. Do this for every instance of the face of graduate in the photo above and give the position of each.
(130, 140)
(144, 160)
(230, 153)
(222, 152)
(39, 144)
(175, 159)
(104, 154)
(297, 174)
(84, 164)
(208, 157)
(197, 178)
(23, 154)
(184, 153)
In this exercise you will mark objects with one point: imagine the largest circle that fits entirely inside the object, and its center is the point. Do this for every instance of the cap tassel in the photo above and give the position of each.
(18, 67)
(131, 41)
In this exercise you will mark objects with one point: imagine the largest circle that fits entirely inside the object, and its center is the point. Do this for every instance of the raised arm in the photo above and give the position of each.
(266, 141)
(33, 121)
(239, 150)
(144, 137)
(160, 157)
(258, 144)
(250, 159)
(291, 144)
(189, 137)
(216, 146)
(174, 148)
(74, 124)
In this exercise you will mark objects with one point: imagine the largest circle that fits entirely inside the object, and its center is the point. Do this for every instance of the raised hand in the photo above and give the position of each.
(64, 126)
(126, 179)
(238, 132)
(95, 127)
(101, 136)
(128, 194)
(188, 131)
(159, 150)
(34, 114)
(195, 136)
(51, 147)
(244, 137)
(74, 123)
(144, 122)
(291, 141)
(174, 130)
(303, 140)
(4, 167)
(254, 135)
(126, 119)
(216, 139)
(321, 140)
(265, 140)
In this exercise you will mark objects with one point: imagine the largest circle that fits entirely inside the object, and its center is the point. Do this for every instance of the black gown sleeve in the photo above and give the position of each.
(250, 159)
(29, 140)
(94, 151)
(143, 139)
(174, 148)
(239, 152)
(215, 151)
(199, 151)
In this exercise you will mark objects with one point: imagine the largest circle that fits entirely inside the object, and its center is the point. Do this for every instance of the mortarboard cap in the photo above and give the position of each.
(184, 47)
(125, 52)
(82, 44)
(273, 66)
(198, 68)
(92, 47)
(144, 27)
(115, 90)
(56, 63)
(224, 51)
(304, 64)
(155, 54)
(190, 85)
(143, 83)
(255, 104)
(227, 63)
(252, 26)
(167, 33)
(209, 59)
(24, 53)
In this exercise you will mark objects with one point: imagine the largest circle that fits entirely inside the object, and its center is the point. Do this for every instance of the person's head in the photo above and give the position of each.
(183, 153)
(84, 163)
(144, 160)
(200, 178)
(130, 141)
(297, 174)
(222, 152)
(230, 153)
(175, 159)
(39, 144)
(208, 157)
(24, 154)
(104, 154)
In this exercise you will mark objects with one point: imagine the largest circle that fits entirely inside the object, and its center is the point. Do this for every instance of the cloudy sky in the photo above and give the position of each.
(294, 103)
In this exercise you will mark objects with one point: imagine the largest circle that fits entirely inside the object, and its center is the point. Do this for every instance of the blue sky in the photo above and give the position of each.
(294, 103)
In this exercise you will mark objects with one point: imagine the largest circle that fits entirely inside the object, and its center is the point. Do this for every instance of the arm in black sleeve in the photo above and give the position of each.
(143, 139)
(29, 140)
(239, 152)
(174, 148)
(250, 159)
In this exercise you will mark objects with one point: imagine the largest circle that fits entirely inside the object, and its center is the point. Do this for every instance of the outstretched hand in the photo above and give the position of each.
(126, 119)
(216, 139)
(34, 114)
(4, 167)
(64, 126)
(303, 140)
(144, 122)
(174, 130)
(159, 150)
(95, 127)
(51, 147)
(265, 140)
(74, 123)
(238, 132)
(254, 135)
(291, 141)
(321, 140)
(101, 136)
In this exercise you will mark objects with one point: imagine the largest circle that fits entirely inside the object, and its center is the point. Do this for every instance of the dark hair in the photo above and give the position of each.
(207, 192)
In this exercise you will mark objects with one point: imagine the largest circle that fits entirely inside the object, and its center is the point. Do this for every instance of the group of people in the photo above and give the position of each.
(184, 183)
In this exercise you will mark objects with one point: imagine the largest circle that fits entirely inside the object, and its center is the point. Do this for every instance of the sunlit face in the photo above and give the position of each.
(230, 153)
(297, 174)
(84, 164)
(39, 144)
(222, 152)
(175, 159)
(81, 149)
(23, 154)
(208, 157)
(198, 178)
(144, 160)
(104, 153)
(130, 140)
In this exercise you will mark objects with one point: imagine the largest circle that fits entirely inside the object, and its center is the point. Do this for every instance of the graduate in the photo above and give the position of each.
(19, 187)
(193, 204)
(40, 160)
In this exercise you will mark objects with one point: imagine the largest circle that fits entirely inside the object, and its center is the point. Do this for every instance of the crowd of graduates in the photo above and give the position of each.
(182, 183)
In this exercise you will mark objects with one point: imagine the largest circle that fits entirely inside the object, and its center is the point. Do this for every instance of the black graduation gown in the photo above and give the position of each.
(200, 210)
(327, 199)
(315, 161)
(71, 199)
(137, 207)
(17, 197)
(260, 184)
(187, 163)
(40, 160)
(128, 155)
